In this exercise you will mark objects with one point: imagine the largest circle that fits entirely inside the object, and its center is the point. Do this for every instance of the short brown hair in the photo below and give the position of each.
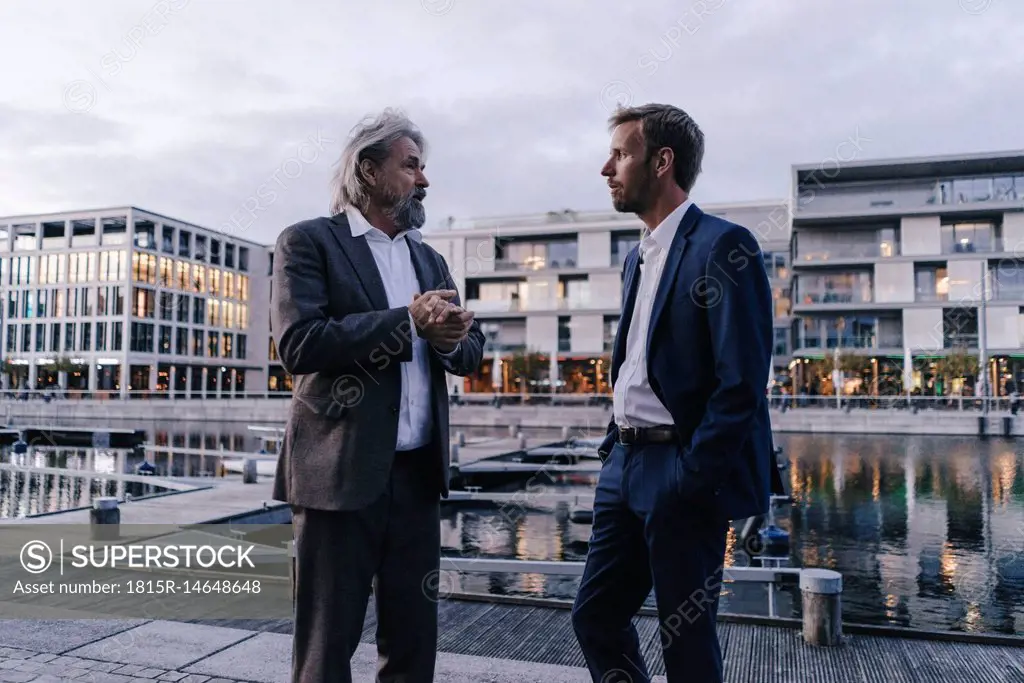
(666, 126)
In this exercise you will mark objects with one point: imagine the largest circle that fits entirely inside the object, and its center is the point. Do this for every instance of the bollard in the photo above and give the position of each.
(565, 432)
(821, 591)
(249, 475)
(522, 441)
(453, 458)
(105, 519)
(460, 438)
(513, 429)
(291, 569)
(982, 432)
(1007, 426)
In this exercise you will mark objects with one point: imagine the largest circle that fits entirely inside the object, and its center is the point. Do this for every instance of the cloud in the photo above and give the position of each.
(510, 95)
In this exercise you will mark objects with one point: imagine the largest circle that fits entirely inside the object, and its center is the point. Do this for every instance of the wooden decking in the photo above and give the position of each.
(753, 653)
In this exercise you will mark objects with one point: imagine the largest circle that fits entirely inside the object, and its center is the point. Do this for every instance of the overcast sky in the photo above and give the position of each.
(215, 111)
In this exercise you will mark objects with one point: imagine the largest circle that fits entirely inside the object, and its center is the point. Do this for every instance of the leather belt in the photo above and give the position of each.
(637, 436)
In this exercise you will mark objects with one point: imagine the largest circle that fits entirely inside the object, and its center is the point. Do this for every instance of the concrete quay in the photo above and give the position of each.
(582, 421)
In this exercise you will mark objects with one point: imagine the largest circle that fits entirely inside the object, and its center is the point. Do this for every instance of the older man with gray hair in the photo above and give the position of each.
(367, 320)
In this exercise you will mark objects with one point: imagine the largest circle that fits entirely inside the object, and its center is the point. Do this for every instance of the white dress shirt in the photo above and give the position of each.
(400, 283)
(634, 402)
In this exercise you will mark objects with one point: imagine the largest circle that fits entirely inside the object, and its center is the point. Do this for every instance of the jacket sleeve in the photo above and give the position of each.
(466, 359)
(308, 339)
(736, 292)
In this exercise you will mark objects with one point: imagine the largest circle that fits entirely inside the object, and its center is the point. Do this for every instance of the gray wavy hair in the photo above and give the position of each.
(370, 139)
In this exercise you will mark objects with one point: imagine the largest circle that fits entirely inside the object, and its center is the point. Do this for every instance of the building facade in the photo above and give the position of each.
(903, 262)
(122, 300)
(547, 290)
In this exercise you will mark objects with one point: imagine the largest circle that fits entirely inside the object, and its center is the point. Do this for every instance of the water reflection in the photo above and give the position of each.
(927, 531)
(54, 479)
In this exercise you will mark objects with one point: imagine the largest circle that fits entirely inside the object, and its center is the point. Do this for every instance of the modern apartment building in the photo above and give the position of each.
(891, 259)
(125, 300)
(550, 284)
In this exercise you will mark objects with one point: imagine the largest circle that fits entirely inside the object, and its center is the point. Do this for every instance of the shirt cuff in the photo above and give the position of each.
(449, 355)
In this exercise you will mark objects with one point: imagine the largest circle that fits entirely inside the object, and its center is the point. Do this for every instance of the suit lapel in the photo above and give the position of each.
(668, 275)
(631, 282)
(427, 272)
(357, 251)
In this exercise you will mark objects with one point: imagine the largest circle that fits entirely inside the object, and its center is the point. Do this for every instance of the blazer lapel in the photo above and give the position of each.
(359, 255)
(630, 285)
(668, 275)
(427, 272)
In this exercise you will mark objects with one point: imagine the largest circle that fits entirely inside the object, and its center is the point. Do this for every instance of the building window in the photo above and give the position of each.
(184, 243)
(226, 345)
(213, 343)
(198, 311)
(200, 252)
(69, 336)
(165, 339)
(197, 342)
(101, 336)
(183, 304)
(145, 303)
(229, 256)
(40, 338)
(240, 351)
(243, 259)
(115, 231)
(117, 337)
(145, 234)
(181, 341)
(167, 243)
(86, 336)
(142, 337)
(25, 238)
(53, 235)
(564, 334)
(166, 305)
(215, 252)
(622, 242)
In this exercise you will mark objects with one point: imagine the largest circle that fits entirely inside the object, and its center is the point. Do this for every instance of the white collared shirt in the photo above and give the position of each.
(634, 402)
(400, 282)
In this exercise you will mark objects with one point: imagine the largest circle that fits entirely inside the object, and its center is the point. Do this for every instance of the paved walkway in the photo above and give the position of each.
(123, 651)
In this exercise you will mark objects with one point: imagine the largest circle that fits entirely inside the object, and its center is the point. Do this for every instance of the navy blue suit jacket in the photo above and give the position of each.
(709, 351)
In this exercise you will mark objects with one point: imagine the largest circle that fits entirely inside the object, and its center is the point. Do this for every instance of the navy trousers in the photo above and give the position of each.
(646, 534)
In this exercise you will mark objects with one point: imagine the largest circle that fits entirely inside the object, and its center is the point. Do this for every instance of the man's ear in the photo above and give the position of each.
(369, 172)
(664, 160)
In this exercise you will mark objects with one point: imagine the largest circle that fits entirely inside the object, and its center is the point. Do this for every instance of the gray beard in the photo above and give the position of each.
(408, 213)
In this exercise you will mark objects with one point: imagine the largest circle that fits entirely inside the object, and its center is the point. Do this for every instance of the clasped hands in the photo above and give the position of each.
(438, 320)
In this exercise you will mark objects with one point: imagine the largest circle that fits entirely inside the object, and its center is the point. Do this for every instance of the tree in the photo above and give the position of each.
(526, 367)
(957, 364)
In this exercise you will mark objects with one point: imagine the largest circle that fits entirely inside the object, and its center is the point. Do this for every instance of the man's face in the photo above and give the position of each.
(630, 177)
(402, 186)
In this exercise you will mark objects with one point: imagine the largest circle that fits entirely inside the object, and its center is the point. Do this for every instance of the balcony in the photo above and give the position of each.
(533, 264)
(897, 196)
(864, 341)
(493, 305)
(926, 296)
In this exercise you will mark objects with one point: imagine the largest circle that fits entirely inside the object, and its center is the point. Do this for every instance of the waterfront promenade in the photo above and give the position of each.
(480, 642)
(582, 416)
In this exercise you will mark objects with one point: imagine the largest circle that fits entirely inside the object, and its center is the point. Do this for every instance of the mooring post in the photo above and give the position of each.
(291, 569)
(821, 591)
(105, 519)
(249, 472)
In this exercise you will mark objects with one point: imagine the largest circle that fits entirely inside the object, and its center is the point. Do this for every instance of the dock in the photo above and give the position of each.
(498, 642)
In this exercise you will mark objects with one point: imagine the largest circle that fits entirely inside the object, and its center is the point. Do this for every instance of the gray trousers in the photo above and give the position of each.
(392, 548)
